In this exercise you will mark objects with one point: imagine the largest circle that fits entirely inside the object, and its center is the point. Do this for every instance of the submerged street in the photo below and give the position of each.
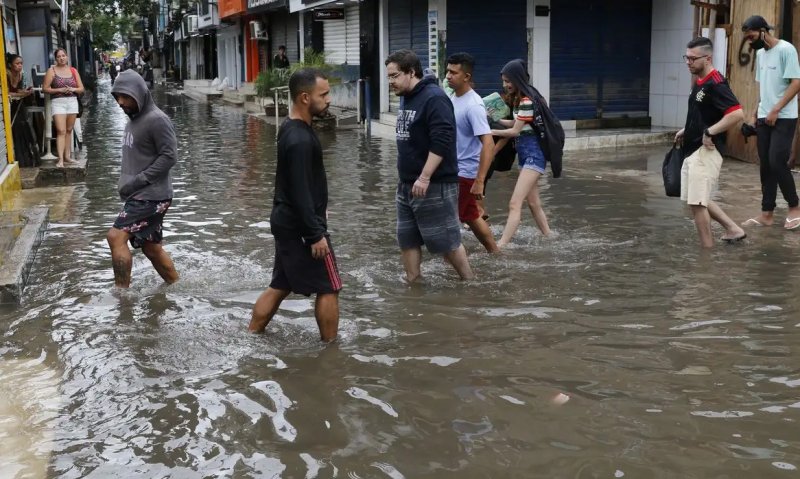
(677, 362)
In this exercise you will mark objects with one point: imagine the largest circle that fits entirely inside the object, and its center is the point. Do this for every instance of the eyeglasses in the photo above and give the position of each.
(393, 76)
(689, 59)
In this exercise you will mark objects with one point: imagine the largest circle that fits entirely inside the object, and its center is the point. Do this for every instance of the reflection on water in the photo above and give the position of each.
(676, 363)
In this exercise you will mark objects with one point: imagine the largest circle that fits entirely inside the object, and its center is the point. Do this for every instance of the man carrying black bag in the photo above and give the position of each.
(713, 110)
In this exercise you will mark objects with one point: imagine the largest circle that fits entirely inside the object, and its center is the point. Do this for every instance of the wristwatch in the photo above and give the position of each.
(708, 133)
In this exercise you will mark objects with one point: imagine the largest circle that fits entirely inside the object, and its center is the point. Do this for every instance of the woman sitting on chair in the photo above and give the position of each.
(64, 85)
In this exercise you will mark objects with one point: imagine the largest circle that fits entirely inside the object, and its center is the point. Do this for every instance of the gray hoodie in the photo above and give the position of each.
(149, 146)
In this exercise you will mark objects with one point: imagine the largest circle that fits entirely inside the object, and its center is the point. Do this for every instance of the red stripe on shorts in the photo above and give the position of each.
(333, 273)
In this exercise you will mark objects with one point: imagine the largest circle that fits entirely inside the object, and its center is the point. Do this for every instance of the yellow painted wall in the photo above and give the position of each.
(10, 186)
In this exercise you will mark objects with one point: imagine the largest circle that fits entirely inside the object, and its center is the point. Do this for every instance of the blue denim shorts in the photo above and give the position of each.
(432, 220)
(530, 154)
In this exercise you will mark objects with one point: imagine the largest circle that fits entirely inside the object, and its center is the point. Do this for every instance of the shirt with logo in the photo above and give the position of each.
(775, 69)
(710, 100)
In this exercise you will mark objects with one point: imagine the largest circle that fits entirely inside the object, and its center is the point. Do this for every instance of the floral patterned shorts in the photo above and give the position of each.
(142, 219)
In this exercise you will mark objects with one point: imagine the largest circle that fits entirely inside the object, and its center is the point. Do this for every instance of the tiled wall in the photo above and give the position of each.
(670, 80)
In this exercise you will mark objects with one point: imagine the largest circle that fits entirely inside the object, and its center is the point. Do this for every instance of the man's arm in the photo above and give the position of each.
(487, 155)
(166, 145)
(793, 151)
(791, 92)
(441, 131)
(727, 122)
(300, 175)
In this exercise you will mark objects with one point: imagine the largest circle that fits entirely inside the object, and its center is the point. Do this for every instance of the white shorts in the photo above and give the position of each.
(64, 106)
(699, 176)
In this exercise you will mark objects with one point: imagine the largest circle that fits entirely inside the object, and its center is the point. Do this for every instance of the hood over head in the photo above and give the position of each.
(517, 72)
(132, 84)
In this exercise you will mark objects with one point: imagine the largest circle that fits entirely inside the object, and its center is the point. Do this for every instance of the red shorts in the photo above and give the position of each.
(467, 206)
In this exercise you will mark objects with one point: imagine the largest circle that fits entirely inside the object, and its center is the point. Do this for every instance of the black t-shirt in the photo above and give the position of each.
(280, 61)
(301, 186)
(710, 100)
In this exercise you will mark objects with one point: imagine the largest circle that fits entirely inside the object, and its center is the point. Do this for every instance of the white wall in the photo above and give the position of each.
(539, 63)
(670, 80)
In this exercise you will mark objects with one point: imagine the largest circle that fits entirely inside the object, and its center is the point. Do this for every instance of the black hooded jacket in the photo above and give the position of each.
(552, 137)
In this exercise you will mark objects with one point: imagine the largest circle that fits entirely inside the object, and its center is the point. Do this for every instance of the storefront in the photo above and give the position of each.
(492, 39)
(600, 58)
(229, 37)
(259, 37)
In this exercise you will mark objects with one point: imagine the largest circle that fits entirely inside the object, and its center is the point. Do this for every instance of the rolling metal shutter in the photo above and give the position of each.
(600, 58)
(283, 30)
(408, 27)
(492, 40)
(341, 38)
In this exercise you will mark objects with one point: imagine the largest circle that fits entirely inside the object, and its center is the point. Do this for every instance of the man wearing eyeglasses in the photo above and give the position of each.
(778, 76)
(713, 110)
(427, 164)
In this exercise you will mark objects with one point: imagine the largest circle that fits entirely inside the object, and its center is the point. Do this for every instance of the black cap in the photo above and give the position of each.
(756, 22)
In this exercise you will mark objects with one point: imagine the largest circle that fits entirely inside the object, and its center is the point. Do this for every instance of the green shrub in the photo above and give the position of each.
(269, 79)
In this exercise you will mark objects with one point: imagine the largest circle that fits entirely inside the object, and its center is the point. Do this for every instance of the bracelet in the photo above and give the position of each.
(708, 133)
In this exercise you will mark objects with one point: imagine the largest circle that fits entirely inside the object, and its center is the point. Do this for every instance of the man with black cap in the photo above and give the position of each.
(778, 76)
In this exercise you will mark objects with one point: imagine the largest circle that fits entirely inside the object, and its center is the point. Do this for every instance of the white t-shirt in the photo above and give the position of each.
(471, 122)
(775, 69)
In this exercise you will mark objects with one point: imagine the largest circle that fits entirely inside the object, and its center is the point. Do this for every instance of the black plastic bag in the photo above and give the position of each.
(671, 170)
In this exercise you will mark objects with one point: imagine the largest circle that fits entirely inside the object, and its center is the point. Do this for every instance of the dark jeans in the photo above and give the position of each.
(774, 146)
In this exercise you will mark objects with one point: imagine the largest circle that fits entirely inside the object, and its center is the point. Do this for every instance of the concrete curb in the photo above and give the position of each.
(17, 263)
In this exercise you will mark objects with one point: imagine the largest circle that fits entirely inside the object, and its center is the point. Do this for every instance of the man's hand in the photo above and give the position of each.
(772, 117)
(679, 135)
(477, 189)
(320, 249)
(420, 187)
(708, 142)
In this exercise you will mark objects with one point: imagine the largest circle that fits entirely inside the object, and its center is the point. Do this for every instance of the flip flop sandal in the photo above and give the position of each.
(738, 239)
(753, 222)
(796, 222)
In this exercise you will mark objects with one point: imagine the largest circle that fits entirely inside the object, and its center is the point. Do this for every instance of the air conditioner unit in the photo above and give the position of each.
(193, 30)
(258, 31)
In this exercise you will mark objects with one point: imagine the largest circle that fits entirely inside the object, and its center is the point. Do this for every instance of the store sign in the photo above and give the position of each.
(252, 4)
(228, 8)
(329, 14)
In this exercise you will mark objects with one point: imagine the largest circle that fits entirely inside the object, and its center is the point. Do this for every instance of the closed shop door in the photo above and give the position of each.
(283, 30)
(341, 38)
(600, 58)
(408, 27)
(492, 39)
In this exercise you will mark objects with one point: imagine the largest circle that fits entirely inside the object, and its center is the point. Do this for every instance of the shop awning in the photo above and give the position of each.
(298, 5)
(258, 6)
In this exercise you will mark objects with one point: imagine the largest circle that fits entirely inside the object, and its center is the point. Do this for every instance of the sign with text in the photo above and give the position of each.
(265, 4)
(328, 14)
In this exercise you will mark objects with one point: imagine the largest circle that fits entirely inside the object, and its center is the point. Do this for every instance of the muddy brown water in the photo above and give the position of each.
(677, 363)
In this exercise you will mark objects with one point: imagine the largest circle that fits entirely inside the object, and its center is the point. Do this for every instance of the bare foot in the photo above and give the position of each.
(60, 165)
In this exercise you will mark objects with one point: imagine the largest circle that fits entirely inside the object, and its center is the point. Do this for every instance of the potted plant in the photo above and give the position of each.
(265, 84)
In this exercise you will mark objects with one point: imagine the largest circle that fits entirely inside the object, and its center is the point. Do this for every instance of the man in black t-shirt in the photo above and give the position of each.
(713, 110)
(280, 60)
(304, 259)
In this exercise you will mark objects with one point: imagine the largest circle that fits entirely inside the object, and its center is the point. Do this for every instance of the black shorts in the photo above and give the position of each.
(297, 271)
(142, 219)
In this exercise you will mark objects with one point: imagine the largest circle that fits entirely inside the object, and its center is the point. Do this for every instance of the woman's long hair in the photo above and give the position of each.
(517, 73)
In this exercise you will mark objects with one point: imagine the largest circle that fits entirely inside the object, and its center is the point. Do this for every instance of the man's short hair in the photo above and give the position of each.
(464, 59)
(304, 81)
(282, 47)
(406, 61)
(703, 43)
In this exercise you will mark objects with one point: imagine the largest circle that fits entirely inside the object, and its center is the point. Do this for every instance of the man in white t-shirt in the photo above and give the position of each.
(474, 144)
(778, 76)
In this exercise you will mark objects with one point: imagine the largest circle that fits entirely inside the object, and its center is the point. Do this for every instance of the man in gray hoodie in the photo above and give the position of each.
(149, 151)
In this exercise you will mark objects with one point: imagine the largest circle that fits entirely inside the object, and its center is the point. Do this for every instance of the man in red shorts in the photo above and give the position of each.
(474, 145)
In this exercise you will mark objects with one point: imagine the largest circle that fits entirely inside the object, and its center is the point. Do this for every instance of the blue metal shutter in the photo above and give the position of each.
(600, 58)
(408, 27)
(492, 38)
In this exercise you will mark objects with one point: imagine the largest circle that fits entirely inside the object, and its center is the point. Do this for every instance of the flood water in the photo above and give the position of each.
(677, 363)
